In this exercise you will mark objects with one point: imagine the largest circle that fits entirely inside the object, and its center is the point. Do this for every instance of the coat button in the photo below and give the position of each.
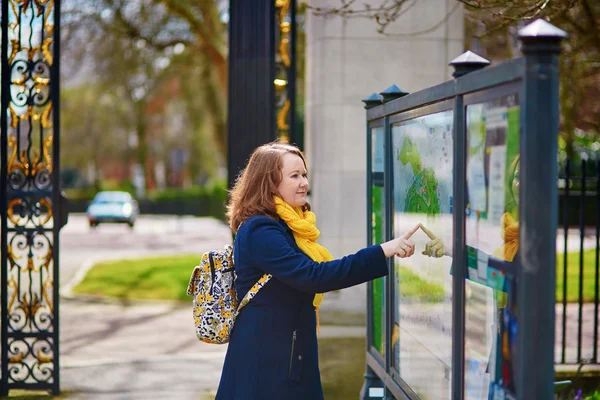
(299, 357)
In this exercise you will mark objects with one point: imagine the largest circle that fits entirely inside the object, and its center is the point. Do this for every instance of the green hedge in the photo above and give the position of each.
(198, 200)
(203, 201)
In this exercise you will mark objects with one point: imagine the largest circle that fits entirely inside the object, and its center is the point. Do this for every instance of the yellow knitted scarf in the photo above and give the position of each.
(304, 227)
(508, 251)
(510, 234)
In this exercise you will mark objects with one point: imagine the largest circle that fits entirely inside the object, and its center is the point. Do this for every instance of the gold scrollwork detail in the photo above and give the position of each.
(20, 82)
(48, 9)
(284, 5)
(49, 214)
(11, 211)
(285, 29)
(35, 305)
(48, 286)
(30, 266)
(46, 121)
(282, 124)
(13, 161)
(42, 358)
(30, 309)
(14, 120)
(12, 285)
(15, 50)
(14, 6)
(46, 51)
(284, 52)
(44, 10)
(40, 82)
(44, 117)
(47, 259)
(38, 164)
(16, 359)
(39, 6)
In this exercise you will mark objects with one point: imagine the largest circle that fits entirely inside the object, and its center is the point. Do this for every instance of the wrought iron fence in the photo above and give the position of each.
(578, 275)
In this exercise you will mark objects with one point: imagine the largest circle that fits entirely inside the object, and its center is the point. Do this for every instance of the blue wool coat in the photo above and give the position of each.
(272, 352)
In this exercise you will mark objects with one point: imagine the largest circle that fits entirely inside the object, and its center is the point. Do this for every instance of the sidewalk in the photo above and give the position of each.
(134, 351)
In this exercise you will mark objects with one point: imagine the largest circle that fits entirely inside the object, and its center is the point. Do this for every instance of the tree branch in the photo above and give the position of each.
(203, 36)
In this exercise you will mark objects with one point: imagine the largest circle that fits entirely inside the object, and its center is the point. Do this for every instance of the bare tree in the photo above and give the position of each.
(494, 23)
(126, 45)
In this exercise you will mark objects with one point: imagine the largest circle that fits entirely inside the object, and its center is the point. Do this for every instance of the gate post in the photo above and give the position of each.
(538, 210)
(31, 205)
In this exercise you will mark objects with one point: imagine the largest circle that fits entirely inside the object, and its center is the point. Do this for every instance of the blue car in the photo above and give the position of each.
(113, 207)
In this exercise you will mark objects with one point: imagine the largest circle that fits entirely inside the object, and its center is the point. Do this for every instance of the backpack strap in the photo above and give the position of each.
(254, 289)
(193, 281)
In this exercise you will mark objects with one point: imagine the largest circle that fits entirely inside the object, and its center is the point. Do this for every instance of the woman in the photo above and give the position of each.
(272, 352)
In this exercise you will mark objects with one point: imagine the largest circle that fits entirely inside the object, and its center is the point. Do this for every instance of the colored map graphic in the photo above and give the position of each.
(423, 194)
(423, 165)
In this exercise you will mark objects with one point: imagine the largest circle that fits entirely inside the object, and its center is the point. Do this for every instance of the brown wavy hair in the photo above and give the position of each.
(255, 186)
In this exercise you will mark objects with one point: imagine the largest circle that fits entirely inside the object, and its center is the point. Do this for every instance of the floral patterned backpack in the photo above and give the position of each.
(212, 286)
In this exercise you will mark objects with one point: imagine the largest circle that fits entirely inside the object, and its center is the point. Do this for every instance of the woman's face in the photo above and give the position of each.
(294, 183)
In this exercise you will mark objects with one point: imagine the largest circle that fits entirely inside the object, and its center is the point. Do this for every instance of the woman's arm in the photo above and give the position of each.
(266, 246)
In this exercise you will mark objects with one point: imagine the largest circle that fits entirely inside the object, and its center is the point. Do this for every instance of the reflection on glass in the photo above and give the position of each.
(377, 226)
(422, 333)
(492, 237)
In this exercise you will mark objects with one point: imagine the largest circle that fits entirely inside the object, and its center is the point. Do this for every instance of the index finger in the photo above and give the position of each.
(408, 234)
(428, 232)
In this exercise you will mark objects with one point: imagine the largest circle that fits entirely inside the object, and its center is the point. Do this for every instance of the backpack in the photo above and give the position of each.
(215, 304)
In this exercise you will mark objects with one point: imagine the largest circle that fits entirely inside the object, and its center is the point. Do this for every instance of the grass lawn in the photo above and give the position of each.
(413, 286)
(159, 278)
(589, 276)
(166, 278)
(20, 394)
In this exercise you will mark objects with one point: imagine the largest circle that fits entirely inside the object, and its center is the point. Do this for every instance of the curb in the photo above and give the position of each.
(67, 288)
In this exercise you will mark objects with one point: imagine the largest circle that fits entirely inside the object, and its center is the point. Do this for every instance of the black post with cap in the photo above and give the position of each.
(372, 384)
(391, 93)
(464, 64)
(468, 62)
(538, 205)
(372, 101)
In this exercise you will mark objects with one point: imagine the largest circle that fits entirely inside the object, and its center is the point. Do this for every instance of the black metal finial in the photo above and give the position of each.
(391, 93)
(541, 36)
(372, 101)
(468, 62)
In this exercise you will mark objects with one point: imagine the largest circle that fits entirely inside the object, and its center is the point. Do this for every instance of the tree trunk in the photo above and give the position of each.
(214, 100)
(142, 145)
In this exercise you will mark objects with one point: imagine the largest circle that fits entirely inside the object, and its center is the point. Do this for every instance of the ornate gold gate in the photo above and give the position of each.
(31, 215)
